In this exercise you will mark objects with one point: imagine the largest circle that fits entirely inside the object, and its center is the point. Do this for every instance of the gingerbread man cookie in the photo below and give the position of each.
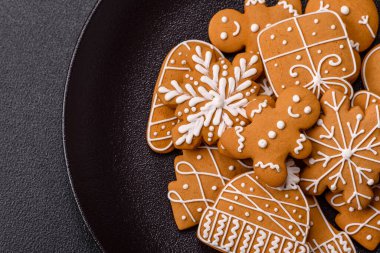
(274, 133)
(363, 226)
(323, 237)
(251, 217)
(346, 151)
(212, 97)
(312, 51)
(232, 31)
(360, 16)
(371, 71)
(201, 174)
(162, 118)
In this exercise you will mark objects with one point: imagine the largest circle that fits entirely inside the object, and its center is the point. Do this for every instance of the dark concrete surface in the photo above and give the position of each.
(38, 212)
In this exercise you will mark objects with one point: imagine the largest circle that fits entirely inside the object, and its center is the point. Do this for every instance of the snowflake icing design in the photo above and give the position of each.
(346, 150)
(212, 97)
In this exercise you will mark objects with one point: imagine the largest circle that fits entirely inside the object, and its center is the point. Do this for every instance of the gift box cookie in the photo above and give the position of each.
(311, 50)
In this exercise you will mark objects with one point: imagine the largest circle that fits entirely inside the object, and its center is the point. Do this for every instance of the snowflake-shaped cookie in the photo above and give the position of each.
(212, 97)
(346, 148)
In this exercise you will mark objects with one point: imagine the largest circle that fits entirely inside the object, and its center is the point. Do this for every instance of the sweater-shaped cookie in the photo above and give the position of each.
(251, 217)
(211, 97)
(360, 16)
(312, 51)
(323, 237)
(363, 226)
(232, 31)
(274, 133)
(346, 151)
(162, 118)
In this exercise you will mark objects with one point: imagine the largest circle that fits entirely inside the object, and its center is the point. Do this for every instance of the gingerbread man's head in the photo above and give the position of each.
(227, 29)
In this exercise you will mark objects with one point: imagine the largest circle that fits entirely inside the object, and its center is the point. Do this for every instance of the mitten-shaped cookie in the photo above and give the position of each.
(312, 51)
(212, 97)
(201, 174)
(162, 117)
(361, 18)
(251, 217)
(232, 31)
(346, 151)
(274, 133)
(323, 237)
(363, 226)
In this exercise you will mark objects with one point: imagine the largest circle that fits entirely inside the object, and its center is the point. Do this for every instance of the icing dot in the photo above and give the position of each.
(272, 134)
(223, 35)
(283, 86)
(251, 189)
(155, 133)
(314, 33)
(248, 94)
(369, 237)
(180, 53)
(297, 82)
(186, 110)
(196, 82)
(223, 62)
(345, 10)
(163, 127)
(242, 123)
(299, 57)
(210, 135)
(316, 21)
(231, 168)
(168, 133)
(319, 51)
(266, 205)
(253, 90)
(272, 37)
(246, 214)
(333, 27)
(187, 76)
(255, 28)
(341, 46)
(236, 197)
(242, 185)
(307, 110)
(179, 114)
(294, 211)
(276, 65)
(183, 217)
(281, 125)
(211, 128)
(344, 69)
(183, 62)
(199, 157)
(260, 218)
(172, 61)
(286, 196)
(290, 227)
(300, 216)
(191, 78)
(284, 42)
(276, 210)
(193, 109)
(199, 210)
(185, 186)
(326, 71)
(378, 222)
(377, 198)
(290, 29)
(297, 233)
(209, 139)
(351, 209)
(297, 198)
(225, 73)
(311, 223)
(373, 100)
(214, 188)
(224, 19)
(225, 67)
(231, 208)
(263, 143)
(296, 99)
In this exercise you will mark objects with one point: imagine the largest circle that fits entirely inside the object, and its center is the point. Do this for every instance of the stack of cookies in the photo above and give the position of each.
(264, 133)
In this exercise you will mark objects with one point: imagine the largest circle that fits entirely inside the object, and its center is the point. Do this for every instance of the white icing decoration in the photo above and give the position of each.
(254, 2)
(292, 179)
(223, 35)
(255, 28)
(263, 143)
(296, 99)
(364, 21)
(237, 31)
(260, 241)
(301, 140)
(355, 45)
(219, 230)
(234, 235)
(293, 115)
(289, 7)
(281, 125)
(241, 138)
(345, 10)
(224, 19)
(272, 134)
(247, 238)
(206, 225)
(272, 166)
(259, 110)
(307, 110)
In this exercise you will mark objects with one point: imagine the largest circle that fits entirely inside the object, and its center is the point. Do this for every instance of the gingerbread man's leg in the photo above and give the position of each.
(271, 172)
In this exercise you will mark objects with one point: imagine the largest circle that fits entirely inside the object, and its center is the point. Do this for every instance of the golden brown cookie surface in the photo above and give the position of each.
(162, 118)
(312, 51)
(364, 99)
(251, 217)
(363, 226)
(232, 31)
(346, 150)
(371, 71)
(274, 133)
(360, 16)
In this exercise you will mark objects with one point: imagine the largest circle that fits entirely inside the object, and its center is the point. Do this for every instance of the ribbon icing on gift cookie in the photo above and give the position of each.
(212, 97)
(361, 19)
(232, 31)
(363, 226)
(323, 237)
(346, 151)
(371, 71)
(274, 133)
(162, 117)
(201, 174)
(250, 217)
(312, 51)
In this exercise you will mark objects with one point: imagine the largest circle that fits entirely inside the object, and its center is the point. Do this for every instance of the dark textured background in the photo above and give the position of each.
(38, 212)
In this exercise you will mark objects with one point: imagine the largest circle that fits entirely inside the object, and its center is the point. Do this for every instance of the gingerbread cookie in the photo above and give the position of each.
(232, 31)
(363, 226)
(212, 97)
(312, 51)
(251, 217)
(346, 151)
(323, 237)
(162, 118)
(274, 133)
(371, 71)
(360, 16)
(364, 99)
(201, 174)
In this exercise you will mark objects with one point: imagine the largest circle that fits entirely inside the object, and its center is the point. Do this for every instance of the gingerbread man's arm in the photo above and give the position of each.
(258, 106)
(233, 143)
(301, 147)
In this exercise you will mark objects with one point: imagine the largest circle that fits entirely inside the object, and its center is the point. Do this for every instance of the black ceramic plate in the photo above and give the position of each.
(119, 183)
